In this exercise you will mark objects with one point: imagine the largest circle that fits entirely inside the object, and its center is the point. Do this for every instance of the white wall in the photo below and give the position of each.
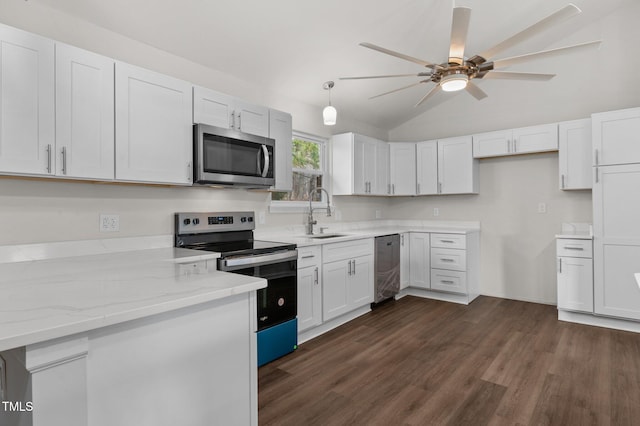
(517, 243)
(51, 210)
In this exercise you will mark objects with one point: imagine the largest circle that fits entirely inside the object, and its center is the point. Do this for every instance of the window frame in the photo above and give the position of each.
(281, 206)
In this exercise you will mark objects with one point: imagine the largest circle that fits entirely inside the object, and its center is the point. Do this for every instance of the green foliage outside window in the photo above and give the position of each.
(307, 172)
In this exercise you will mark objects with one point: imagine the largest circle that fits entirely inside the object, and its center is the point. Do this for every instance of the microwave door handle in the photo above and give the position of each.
(265, 152)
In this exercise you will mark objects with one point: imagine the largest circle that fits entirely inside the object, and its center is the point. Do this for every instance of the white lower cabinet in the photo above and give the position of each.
(575, 275)
(405, 261)
(347, 277)
(309, 287)
(419, 254)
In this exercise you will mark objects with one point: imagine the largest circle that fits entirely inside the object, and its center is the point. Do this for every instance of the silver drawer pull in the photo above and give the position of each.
(447, 241)
(447, 282)
(447, 260)
(574, 248)
(311, 256)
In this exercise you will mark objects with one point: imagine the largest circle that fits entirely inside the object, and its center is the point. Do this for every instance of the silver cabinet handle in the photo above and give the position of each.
(311, 256)
(354, 266)
(239, 121)
(64, 160)
(595, 154)
(388, 188)
(509, 146)
(189, 172)
(315, 275)
(447, 241)
(439, 187)
(447, 260)
(597, 180)
(562, 184)
(418, 188)
(515, 146)
(446, 281)
(402, 239)
(349, 267)
(574, 248)
(560, 267)
(232, 120)
(393, 188)
(49, 158)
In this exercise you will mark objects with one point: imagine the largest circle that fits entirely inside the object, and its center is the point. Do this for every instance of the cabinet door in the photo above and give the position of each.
(616, 204)
(381, 178)
(253, 119)
(280, 130)
(212, 108)
(575, 284)
(335, 281)
(153, 127)
(616, 291)
(402, 160)
(84, 114)
(574, 154)
(616, 137)
(420, 260)
(492, 144)
(309, 298)
(405, 261)
(457, 169)
(27, 127)
(427, 168)
(535, 139)
(360, 291)
(361, 173)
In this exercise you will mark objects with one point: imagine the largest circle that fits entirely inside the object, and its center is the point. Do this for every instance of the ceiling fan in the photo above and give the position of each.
(457, 73)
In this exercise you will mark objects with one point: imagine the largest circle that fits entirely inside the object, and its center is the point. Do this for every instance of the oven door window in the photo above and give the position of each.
(226, 155)
(277, 302)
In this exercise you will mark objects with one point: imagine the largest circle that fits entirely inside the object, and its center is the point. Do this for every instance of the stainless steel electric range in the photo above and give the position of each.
(231, 235)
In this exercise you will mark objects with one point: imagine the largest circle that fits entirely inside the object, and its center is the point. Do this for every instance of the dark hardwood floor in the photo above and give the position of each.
(421, 362)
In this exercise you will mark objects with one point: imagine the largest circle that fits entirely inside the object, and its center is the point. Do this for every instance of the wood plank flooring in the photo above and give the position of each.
(425, 362)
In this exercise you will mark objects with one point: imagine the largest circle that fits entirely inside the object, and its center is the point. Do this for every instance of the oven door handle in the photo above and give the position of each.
(241, 262)
(265, 169)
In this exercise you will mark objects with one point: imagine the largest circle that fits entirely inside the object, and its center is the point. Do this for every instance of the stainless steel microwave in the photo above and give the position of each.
(228, 157)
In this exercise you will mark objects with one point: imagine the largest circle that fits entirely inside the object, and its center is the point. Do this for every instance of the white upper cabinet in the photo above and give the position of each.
(575, 154)
(402, 160)
(427, 168)
(457, 169)
(220, 110)
(280, 129)
(516, 141)
(360, 165)
(616, 137)
(84, 114)
(153, 127)
(27, 127)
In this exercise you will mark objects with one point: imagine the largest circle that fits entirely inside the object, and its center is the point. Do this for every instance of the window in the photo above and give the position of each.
(308, 156)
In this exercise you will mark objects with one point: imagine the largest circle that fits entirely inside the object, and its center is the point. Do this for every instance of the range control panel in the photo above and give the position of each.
(197, 223)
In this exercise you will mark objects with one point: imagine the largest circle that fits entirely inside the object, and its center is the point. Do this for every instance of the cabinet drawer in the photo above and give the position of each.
(452, 281)
(453, 259)
(574, 248)
(347, 250)
(456, 241)
(309, 256)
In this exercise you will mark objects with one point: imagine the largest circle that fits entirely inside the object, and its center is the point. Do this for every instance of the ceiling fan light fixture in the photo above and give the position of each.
(329, 113)
(454, 82)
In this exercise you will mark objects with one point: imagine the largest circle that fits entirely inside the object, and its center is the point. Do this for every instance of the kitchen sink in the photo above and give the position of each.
(325, 236)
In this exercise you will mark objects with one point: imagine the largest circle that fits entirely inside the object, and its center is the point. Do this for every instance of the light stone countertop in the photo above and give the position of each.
(48, 299)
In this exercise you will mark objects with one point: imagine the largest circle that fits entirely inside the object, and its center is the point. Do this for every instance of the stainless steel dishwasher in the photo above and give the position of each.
(387, 267)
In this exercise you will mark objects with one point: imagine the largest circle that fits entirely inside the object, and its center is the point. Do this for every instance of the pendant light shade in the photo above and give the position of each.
(329, 113)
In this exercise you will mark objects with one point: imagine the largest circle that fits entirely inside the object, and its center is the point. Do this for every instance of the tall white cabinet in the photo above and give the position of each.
(27, 110)
(153, 127)
(616, 213)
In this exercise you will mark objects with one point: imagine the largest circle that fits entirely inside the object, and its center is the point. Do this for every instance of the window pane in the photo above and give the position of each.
(306, 155)
(303, 183)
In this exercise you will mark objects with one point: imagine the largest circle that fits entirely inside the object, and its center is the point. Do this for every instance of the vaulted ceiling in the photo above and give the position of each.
(291, 47)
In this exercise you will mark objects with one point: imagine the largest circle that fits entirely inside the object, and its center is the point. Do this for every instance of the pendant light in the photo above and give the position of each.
(329, 113)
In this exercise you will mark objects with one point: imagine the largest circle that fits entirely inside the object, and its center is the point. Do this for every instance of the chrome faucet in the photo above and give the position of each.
(310, 220)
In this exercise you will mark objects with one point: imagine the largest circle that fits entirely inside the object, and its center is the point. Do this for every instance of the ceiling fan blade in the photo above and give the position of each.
(399, 89)
(537, 28)
(475, 91)
(459, 29)
(500, 63)
(398, 55)
(429, 94)
(422, 74)
(517, 76)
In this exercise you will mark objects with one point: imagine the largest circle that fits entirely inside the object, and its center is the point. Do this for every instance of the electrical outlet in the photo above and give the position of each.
(436, 211)
(378, 214)
(262, 219)
(109, 223)
(542, 207)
